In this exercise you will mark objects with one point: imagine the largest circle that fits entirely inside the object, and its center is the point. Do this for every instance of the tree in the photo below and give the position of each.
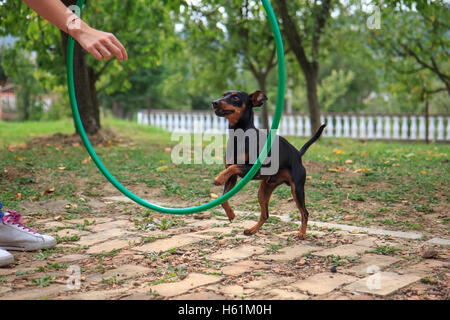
(22, 70)
(416, 43)
(3, 76)
(250, 35)
(303, 23)
(146, 29)
(242, 39)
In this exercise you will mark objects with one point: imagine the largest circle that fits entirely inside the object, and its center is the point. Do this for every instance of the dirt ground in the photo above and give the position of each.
(110, 248)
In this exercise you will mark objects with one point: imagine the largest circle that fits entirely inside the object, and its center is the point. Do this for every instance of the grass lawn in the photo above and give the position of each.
(394, 185)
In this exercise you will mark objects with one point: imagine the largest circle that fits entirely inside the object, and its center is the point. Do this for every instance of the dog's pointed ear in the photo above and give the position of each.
(258, 98)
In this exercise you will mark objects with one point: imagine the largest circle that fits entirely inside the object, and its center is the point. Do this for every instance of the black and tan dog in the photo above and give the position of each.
(237, 108)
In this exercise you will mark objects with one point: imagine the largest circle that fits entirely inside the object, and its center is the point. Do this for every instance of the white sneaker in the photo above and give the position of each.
(5, 258)
(16, 236)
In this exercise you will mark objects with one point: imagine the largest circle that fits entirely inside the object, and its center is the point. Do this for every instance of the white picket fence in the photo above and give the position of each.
(377, 127)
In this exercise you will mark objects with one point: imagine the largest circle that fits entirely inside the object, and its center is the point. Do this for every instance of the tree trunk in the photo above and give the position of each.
(310, 68)
(85, 90)
(313, 101)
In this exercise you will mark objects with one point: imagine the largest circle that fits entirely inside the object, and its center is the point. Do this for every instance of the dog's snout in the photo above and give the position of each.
(216, 103)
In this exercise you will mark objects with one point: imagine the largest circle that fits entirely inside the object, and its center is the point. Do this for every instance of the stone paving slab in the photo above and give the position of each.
(382, 283)
(89, 220)
(346, 250)
(4, 290)
(55, 224)
(95, 238)
(72, 258)
(97, 295)
(109, 246)
(70, 233)
(238, 253)
(289, 253)
(322, 283)
(34, 294)
(425, 267)
(280, 294)
(241, 267)
(370, 262)
(443, 242)
(233, 290)
(261, 283)
(201, 296)
(366, 242)
(122, 272)
(396, 234)
(218, 230)
(119, 224)
(246, 224)
(177, 241)
(193, 280)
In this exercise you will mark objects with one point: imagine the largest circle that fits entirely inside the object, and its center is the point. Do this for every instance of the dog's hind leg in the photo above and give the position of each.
(264, 194)
(298, 193)
(226, 205)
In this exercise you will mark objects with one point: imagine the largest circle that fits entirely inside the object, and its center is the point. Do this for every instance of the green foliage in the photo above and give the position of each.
(23, 71)
(185, 53)
(413, 45)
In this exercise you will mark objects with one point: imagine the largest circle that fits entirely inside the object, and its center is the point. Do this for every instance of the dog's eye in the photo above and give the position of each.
(235, 98)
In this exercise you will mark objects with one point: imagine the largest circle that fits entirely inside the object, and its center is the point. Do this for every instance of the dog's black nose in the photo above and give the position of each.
(216, 103)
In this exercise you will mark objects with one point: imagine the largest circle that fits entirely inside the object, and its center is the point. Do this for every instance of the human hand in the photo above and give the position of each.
(98, 43)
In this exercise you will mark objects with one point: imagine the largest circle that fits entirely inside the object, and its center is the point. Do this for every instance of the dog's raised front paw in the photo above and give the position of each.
(219, 181)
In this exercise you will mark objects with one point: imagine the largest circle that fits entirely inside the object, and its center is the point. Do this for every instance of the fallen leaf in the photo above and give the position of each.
(167, 149)
(62, 168)
(349, 161)
(47, 191)
(213, 196)
(333, 170)
(362, 170)
(18, 196)
(162, 168)
(423, 172)
(338, 151)
(86, 161)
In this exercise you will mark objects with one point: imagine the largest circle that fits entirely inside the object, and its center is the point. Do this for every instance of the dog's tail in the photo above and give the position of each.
(312, 140)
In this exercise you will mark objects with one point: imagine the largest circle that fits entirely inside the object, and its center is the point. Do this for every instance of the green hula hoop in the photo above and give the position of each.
(183, 211)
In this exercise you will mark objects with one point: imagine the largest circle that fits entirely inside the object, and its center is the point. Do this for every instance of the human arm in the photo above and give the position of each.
(100, 44)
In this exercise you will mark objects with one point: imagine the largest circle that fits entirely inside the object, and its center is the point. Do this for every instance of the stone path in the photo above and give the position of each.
(135, 257)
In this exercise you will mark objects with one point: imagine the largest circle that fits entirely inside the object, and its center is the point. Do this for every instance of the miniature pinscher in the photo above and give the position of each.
(237, 108)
